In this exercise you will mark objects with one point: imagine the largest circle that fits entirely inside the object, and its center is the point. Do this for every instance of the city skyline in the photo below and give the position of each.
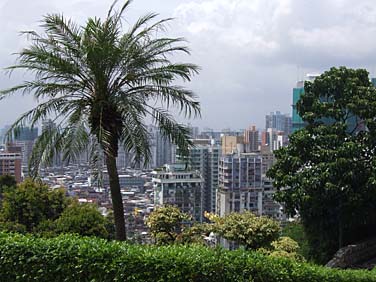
(251, 53)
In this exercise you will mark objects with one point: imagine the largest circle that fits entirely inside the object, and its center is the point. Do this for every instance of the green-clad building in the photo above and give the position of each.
(297, 122)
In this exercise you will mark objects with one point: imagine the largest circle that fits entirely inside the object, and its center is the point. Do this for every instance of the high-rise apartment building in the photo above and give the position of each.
(25, 138)
(277, 122)
(243, 185)
(204, 157)
(10, 162)
(231, 143)
(272, 139)
(176, 185)
(297, 121)
(162, 150)
(251, 139)
(240, 180)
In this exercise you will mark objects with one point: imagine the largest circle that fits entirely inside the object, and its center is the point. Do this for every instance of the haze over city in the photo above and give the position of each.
(251, 52)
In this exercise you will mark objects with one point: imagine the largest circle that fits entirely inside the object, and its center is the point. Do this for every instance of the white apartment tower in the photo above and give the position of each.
(175, 185)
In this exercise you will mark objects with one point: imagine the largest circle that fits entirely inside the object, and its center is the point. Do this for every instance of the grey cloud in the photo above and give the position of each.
(251, 51)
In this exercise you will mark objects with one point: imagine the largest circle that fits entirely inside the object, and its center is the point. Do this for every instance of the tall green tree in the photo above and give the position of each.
(327, 173)
(6, 182)
(166, 223)
(103, 83)
(83, 219)
(31, 203)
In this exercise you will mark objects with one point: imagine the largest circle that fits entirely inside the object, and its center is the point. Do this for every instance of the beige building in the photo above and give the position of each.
(230, 144)
(10, 164)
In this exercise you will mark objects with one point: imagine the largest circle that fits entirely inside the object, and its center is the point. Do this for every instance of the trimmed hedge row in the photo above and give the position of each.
(73, 258)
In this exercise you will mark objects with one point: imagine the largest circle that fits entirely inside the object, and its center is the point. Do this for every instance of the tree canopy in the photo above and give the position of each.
(327, 172)
(246, 229)
(32, 207)
(166, 223)
(31, 202)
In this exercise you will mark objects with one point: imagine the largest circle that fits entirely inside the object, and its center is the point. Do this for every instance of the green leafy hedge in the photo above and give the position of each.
(72, 258)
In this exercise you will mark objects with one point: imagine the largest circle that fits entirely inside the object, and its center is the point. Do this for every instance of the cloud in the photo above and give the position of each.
(235, 23)
(284, 30)
(251, 51)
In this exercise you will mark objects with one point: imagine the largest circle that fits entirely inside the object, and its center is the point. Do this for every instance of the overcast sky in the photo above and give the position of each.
(251, 52)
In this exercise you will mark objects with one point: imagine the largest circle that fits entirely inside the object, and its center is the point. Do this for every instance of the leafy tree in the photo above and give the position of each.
(195, 234)
(83, 219)
(246, 229)
(327, 174)
(166, 223)
(286, 247)
(7, 181)
(31, 203)
(103, 84)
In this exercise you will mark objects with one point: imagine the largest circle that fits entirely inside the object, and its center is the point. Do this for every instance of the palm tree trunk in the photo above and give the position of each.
(117, 201)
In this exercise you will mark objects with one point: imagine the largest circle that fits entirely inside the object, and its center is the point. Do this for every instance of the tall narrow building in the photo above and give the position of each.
(297, 122)
(240, 181)
(204, 157)
(176, 185)
(25, 138)
(10, 162)
(162, 150)
(251, 139)
(243, 185)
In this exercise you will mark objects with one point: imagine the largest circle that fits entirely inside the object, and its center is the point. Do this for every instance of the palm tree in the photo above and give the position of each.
(102, 85)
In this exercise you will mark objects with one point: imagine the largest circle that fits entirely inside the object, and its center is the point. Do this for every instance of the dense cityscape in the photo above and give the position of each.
(216, 160)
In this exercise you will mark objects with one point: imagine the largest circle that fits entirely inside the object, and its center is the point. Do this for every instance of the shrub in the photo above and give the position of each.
(71, 258)
(295, 231)
(32, 202)
(166, 223)
(246, 229)
(83, 219)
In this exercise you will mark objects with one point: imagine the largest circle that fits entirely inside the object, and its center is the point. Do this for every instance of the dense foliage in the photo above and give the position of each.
(101, 82)
(32, 207)
(246, 229)
(30, 203)
(327, 173)
(70, 258)
(166, 223)
(295, 231)
(6, 181)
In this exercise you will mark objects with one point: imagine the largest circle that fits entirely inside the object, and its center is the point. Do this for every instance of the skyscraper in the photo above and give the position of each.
(240, 181)
(163, 151)
(251, 139)
(278, 121)
(176, 185)
(26, 134)
(10, 162)
(204, 157)
(25, 138)
(244, 186)
(297, 122)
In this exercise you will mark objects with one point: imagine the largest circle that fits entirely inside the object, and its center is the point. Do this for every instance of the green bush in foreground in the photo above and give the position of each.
(72, 258)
